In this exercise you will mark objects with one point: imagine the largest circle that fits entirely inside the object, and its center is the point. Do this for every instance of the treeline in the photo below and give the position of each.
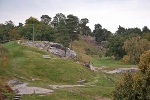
(62, 29)
(126, 43)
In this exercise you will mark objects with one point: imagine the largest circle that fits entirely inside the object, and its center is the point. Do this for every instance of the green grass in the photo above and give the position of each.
(26, 63)
(109, 62)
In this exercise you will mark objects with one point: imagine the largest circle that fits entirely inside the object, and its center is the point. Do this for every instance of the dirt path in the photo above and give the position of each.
(64, 86)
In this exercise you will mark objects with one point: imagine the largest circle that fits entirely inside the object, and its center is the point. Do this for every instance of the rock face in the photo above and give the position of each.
(54, 48)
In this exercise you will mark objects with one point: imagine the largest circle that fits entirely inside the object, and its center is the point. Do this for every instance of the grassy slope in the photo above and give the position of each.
(27, 63)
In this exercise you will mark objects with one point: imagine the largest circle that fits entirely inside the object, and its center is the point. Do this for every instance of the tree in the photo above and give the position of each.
(114, 46)
(62, 35)
(85, 29)
(44, 32)
(146, 35)
(144, 63)
(134, 47)
(57, 18)
(5, 30)
(101, 34)
(72, 23)
(14, 34)
(121, 30)
(136, 31)
(31, 21)
(123, 89)
(135, 86)
(46, 19)
(145, 29)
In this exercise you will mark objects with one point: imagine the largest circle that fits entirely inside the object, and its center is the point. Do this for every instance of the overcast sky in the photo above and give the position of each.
(109, 13)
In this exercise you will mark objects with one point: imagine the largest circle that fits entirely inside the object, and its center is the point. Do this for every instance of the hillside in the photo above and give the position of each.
(27, 65)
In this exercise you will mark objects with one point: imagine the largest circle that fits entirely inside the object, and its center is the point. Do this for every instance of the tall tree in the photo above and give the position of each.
(114, 46)
(62, 35)
(32, 20)
(145, 29)
(121, 30)
(73, 27)
(57, 18)
(84, 29)
(30, 25)
(101, 34)
(46, 19)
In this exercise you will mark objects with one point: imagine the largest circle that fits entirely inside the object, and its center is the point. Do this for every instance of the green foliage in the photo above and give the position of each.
(42, 31)
(62, 34)
(145, 29)
(57, 18)
(101, 34)
(45, 19)
(146, 35)
(123, 89)
(136, 86)
(134, 47)
(83, 28)
(52, 71)
(72, 25)
(114, 46)
(8, 32)
(32, 20)
(6, 92)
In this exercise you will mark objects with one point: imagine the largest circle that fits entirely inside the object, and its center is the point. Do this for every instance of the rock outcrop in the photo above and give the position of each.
(54, 48)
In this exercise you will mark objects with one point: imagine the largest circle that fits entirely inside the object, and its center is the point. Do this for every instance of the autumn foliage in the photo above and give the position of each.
(135, 86)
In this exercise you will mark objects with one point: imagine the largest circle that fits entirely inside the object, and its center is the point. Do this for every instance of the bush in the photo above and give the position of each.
(6, 92)
(126, 59)
(135, 86)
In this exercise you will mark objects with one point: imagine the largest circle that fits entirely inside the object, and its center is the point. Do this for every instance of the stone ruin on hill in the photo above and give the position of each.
(52, 47)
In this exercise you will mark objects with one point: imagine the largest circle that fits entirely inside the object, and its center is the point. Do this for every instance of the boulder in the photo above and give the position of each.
(54, 48)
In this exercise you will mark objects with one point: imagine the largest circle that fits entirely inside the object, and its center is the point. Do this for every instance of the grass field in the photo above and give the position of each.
(26, 63)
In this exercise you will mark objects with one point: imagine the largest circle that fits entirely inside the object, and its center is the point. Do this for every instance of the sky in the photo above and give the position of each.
(109, 13)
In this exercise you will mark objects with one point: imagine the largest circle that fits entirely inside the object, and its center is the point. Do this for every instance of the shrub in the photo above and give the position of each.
(126, 59)
(6, 92)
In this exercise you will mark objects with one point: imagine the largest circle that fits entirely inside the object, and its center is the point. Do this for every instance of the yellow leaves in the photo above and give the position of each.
(126, 59)
(134, 47)
(144, 60)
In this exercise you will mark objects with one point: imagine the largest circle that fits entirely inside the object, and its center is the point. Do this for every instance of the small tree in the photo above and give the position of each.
(134, 47)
